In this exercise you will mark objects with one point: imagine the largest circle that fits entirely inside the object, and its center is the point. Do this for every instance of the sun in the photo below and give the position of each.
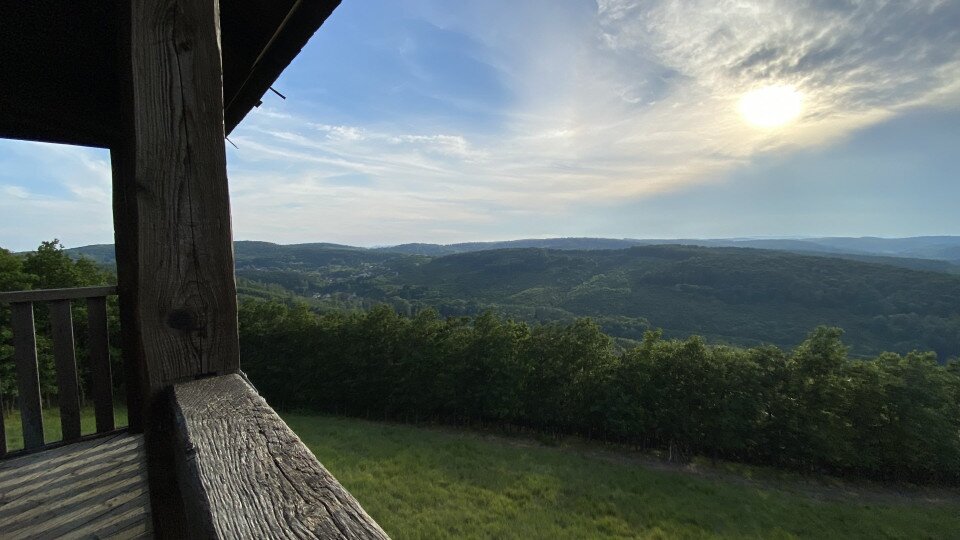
(771, 106)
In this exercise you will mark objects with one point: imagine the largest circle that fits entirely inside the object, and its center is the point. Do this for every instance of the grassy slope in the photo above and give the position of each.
(422, 483)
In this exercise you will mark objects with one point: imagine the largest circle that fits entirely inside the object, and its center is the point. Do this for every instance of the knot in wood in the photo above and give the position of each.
(183, 319)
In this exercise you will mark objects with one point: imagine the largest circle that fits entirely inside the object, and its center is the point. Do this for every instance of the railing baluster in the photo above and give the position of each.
(28, 377)
(61, 321)
(3, 432)
(102, 385)
(64, 350)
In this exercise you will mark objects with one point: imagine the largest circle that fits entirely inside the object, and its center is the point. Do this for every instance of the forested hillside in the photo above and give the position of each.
(741, 296)
(728, 295)
(941, 253)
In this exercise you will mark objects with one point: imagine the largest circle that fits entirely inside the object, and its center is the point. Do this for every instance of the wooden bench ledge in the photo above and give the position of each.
(244, 474)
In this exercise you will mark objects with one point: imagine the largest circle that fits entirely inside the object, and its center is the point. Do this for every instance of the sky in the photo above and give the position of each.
(439, 121)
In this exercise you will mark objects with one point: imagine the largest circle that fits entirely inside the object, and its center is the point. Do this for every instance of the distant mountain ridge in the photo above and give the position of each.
(943, 248)
(930, 253)
(740, 295)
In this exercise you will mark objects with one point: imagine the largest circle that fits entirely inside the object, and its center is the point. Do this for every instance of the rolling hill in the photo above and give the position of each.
(736, 295)
(935, 253)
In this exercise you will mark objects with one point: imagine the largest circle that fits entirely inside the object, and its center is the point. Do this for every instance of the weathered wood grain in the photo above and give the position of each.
(28, 377)
(101, 378)
(46, 295)
(68, 395)
(175, 199)
(41, 472)
(245, 474)
(92, 489)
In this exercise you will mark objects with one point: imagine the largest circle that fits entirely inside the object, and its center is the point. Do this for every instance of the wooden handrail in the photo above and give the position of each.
(243, 473)
(25, 359)
(48, 295)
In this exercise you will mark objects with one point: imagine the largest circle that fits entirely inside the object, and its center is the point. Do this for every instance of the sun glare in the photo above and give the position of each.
(771, 106)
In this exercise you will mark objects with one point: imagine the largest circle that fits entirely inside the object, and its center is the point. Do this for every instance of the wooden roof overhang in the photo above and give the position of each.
(59, 76)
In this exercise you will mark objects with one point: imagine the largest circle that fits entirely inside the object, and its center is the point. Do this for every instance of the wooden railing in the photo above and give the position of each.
(243, 473)
(68, 386)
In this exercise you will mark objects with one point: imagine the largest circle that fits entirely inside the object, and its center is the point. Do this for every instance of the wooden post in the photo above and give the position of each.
(171, 204)
(178, 298)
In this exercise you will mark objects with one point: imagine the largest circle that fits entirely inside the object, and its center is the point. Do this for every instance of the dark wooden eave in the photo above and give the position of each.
(59, 73)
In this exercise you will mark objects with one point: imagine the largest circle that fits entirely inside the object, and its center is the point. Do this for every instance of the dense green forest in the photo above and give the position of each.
(814, 408)
(739, 296)
(728, 295)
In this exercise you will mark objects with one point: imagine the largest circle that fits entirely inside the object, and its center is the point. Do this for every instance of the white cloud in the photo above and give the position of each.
(648, 100)
(617, 101)
(638, 100)
(53, 191)
(14, 192)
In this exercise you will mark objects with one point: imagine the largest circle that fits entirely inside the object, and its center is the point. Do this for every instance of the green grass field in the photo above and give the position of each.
(433, 483)
(429, 483)
(51, 425)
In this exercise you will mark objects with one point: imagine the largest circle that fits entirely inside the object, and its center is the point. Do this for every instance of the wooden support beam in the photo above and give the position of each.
(28, 377)
(178, 297)
(68, 396)
(171, 203)
(102, 381)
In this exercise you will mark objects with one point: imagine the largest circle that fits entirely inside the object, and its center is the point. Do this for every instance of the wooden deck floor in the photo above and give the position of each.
(91, 489)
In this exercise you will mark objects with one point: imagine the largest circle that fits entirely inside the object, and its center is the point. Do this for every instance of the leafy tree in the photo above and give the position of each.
(47, 268)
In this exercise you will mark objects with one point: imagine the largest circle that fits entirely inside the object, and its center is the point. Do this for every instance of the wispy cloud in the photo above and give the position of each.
(657, 83)
(634, 99)
(53, 191)
(497, 118)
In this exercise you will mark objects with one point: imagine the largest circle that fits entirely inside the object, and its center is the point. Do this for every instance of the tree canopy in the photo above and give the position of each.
(49, 267)
(813, 408)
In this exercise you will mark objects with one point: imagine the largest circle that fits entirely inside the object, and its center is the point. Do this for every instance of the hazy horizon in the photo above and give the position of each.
(521, 239)
(439, 122)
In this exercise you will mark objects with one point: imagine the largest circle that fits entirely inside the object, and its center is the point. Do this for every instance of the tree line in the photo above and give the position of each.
(49, 267)
(893, 417)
